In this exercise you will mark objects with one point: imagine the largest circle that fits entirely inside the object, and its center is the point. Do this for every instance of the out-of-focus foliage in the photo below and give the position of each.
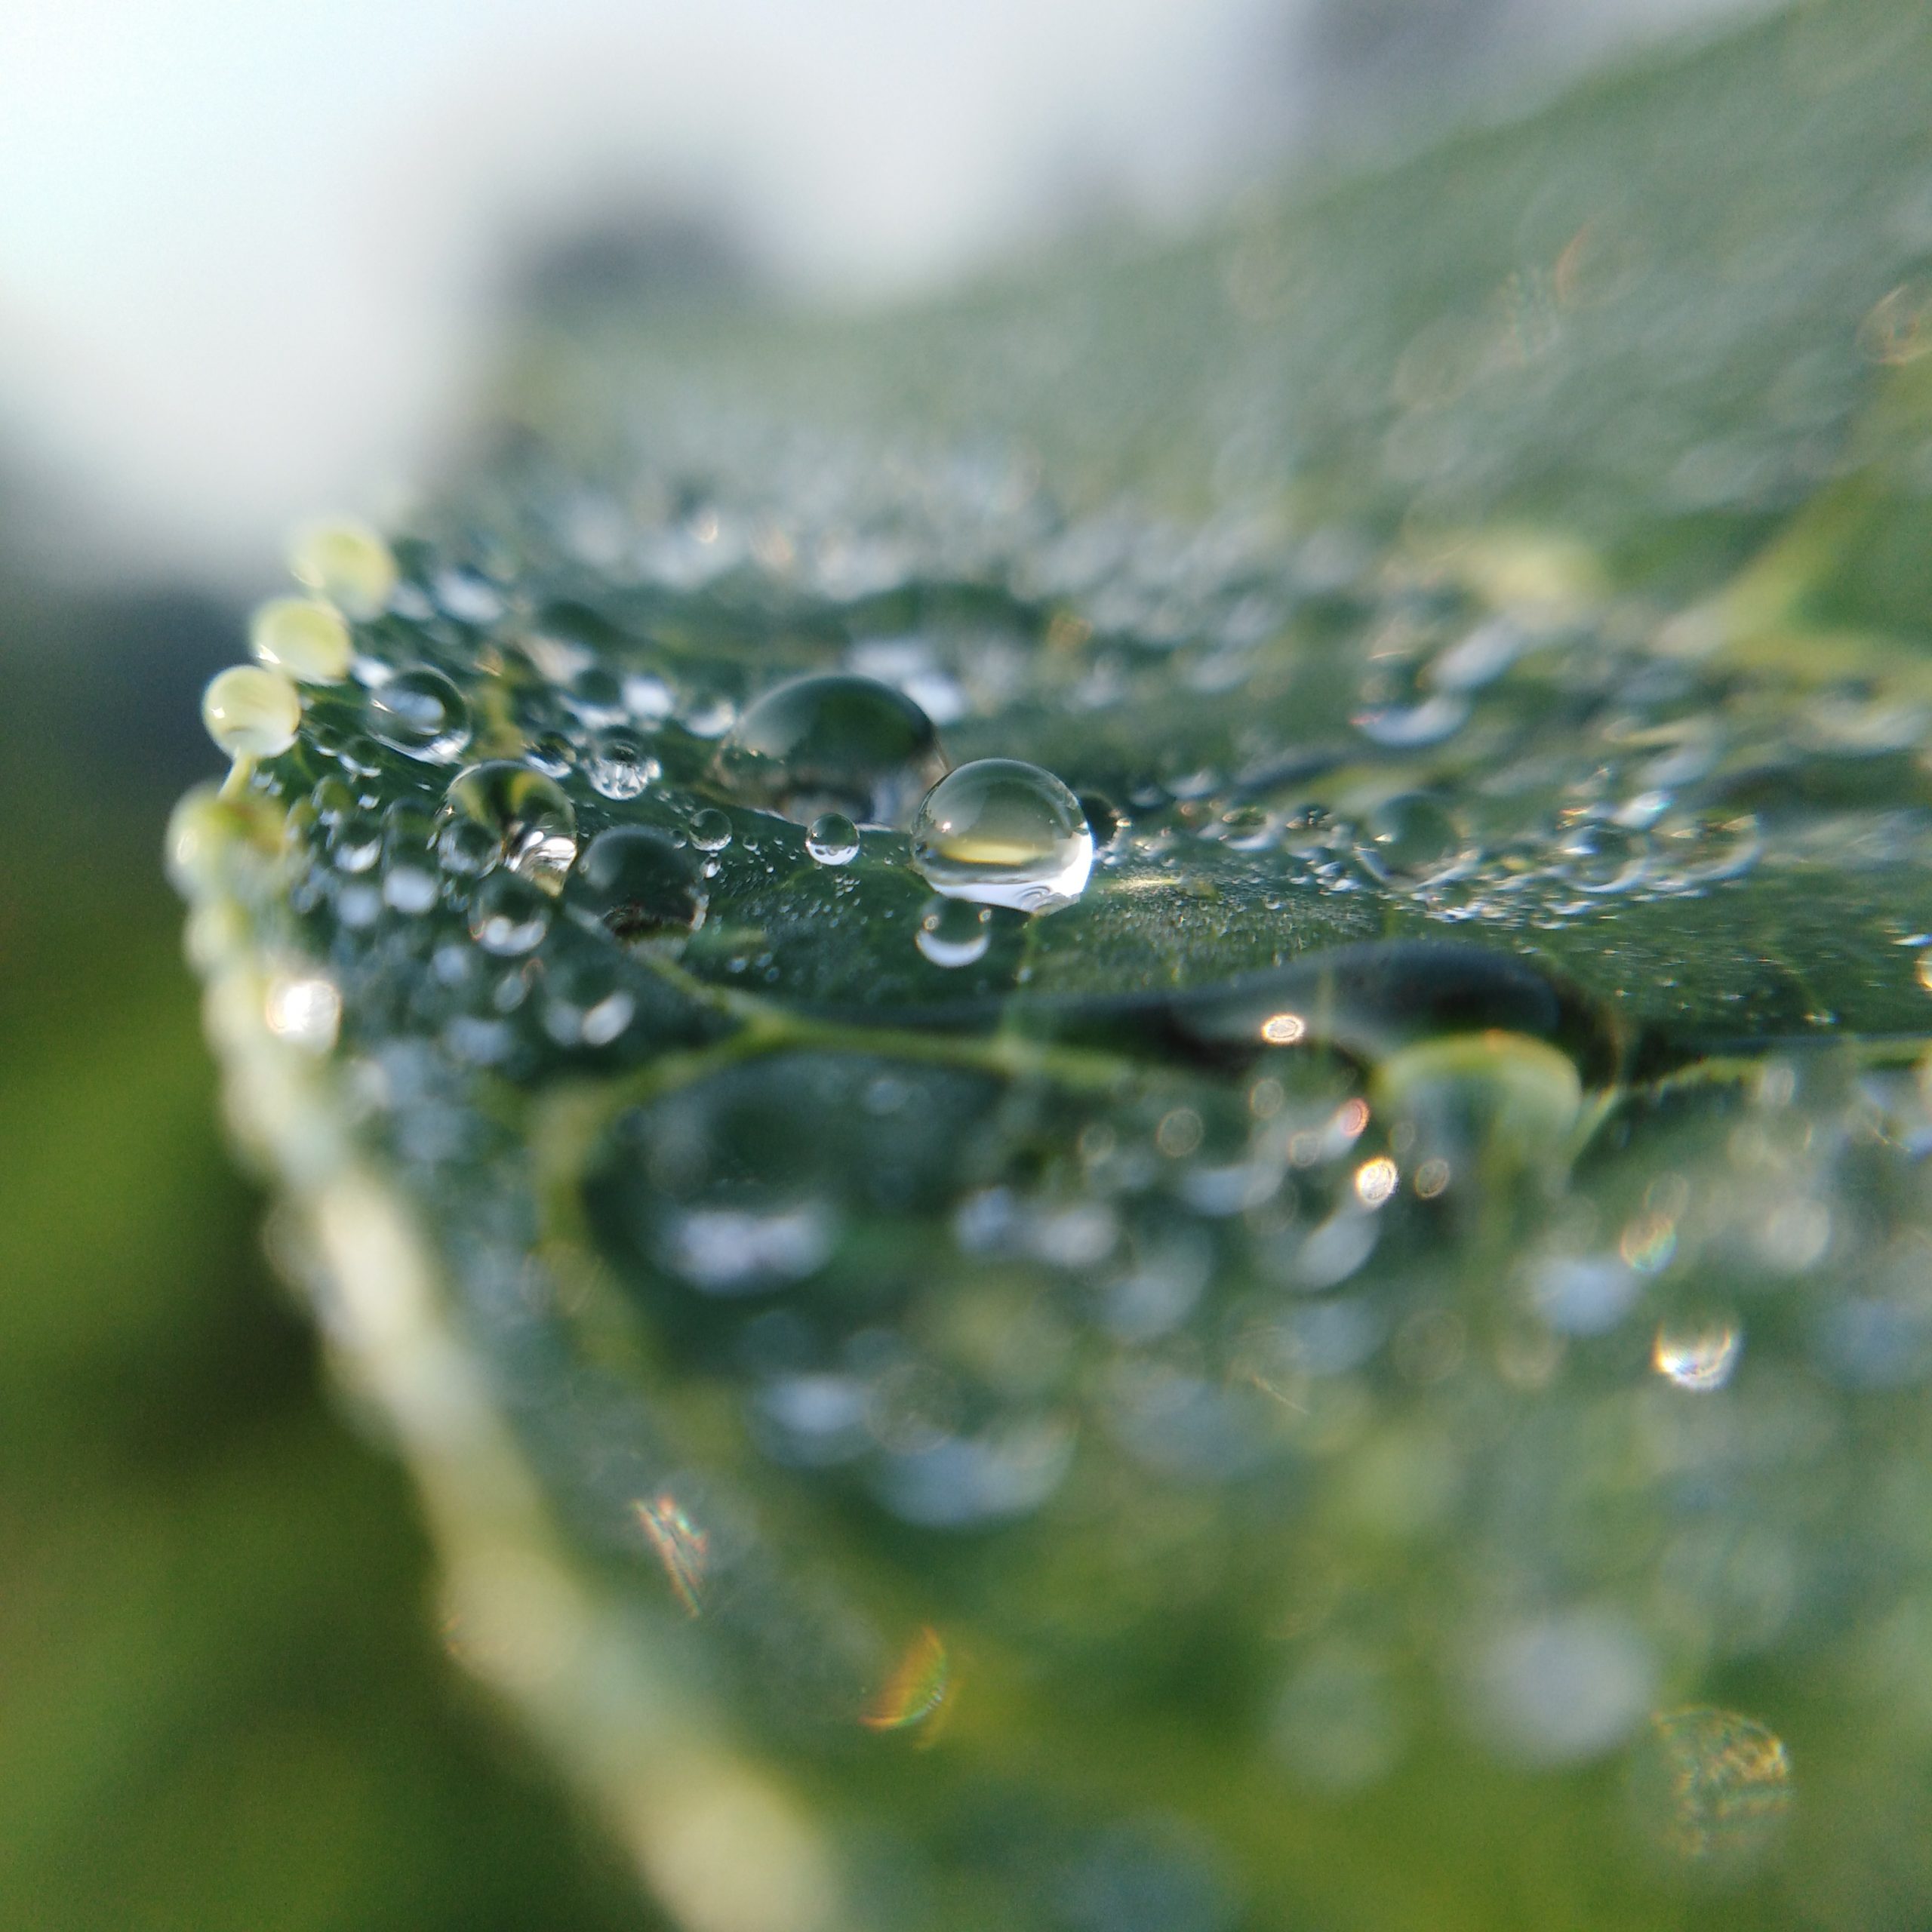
(223, 1703)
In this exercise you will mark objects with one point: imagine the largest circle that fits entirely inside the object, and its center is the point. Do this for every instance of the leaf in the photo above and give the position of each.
(1401, 1295)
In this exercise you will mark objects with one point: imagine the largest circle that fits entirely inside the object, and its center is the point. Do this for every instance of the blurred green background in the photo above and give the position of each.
(222, 1703)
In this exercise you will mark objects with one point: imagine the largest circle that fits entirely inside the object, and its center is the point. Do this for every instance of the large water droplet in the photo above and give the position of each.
(306, 639)
(531, 823)
(421, 712)
(834, 743)
(637, 883)
(833, 839)
(1001, 832)
(954, 932)
(251, 712)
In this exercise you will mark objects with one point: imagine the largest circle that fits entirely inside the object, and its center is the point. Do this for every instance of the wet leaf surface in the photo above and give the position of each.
(1365, 1361)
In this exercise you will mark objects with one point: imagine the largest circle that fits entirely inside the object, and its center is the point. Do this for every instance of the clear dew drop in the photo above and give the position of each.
(954, 932)
(1001, 832)
(636, 883)
(1698, 1355)
(421, 712)
(251, 712)
(346, 562)
(710, 829)
(525, 821)
(619, 766)
(306, 639)
(508, 916)
(833, 839)
(835, 743)
(1414, 839)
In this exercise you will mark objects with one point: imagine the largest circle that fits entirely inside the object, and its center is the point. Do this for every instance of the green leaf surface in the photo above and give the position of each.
(1366, 1368)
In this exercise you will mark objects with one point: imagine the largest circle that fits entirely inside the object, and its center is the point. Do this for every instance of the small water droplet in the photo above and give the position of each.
(421, 712)
(833, 839)
(648, 698)
(1711, 1786)
(251, 712)
(1697, 1356)
(584, 1003)
(1001, 833)
(1600, 857)
(1702, 852)
(467, 848)
(551, 753)
(710, 829)
(1245, 828)
(619, 765)
(509, 916)
(833, 744)
(346, 562)
(635, 883)
(527, 820)
(355, 841)
(306, 639)
(954, 932)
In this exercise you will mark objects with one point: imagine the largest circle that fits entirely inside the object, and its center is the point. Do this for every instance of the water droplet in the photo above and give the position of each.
(551, 753)
(419, 712)
(1697, 1356)
(1598, 857)
(409, 871)
(710, 829)
(346, 562)
(834, 743)
(355, 841)
(1001, 832)
(306, 639)
(1414, 839)
(305, 1010)
(1105, 819)
(585, 1005)
(619, 767)
(251, 712)
(745, 1250)
(509, 916)
(467, 848)
(532, 825)
(1245, 828)
(635, 883)
(1711, 1786)
(954, 932)
(648, 699)
(1702, 852)
(1404, 727)
(833, 839)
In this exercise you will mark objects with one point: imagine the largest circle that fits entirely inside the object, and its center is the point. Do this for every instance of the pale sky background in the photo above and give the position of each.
(242, 242)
